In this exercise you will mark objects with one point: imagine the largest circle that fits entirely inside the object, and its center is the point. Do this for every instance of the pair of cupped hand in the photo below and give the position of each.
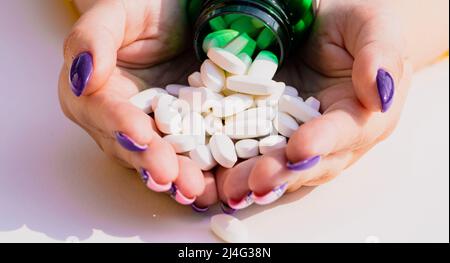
(353, 62)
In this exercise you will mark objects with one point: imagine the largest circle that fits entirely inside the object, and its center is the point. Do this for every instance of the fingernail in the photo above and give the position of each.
(243, 203)
(80, 73)
(272, 196)
(151, 184)
(178, 196)
(303, 165)
(199, 209)
(226, 209)
(386, 89)
(128, 143)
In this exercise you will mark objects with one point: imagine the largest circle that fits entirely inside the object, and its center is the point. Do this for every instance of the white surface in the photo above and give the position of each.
(229, 228)
(55, 185)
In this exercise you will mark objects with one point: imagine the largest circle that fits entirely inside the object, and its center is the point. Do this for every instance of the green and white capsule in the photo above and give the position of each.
(219, 39)
(265, 65)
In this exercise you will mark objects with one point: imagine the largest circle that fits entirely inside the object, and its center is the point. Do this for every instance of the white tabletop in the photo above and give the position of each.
(56, 186)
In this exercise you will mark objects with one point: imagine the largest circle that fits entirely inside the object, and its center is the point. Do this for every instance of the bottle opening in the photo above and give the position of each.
(224, 23)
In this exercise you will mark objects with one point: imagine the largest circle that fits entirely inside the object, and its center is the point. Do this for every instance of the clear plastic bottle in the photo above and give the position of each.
(281, 24)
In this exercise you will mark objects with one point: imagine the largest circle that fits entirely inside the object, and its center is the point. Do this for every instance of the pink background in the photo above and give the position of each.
(55, 185)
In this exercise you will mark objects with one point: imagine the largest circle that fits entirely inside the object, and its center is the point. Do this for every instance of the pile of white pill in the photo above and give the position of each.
(232, 108)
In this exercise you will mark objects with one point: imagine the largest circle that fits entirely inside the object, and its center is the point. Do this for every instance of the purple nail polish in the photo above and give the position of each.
(172, 191)
(386, 89)
(304, 165)
(144, 176)
(80, 73)
(199, 209)
(272, 196)
(245, 202)
(128, 143)
(226, 209)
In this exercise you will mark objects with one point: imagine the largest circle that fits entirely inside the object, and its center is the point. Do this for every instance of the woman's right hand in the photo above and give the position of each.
(112, 44)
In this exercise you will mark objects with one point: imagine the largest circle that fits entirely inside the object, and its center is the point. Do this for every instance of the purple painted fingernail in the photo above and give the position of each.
(178, 196)
(128, 143)
(386, 89)
(245, 202)
(272, 196)
(151, 184)
(226, 209)
(304, 165)
(80, 73)
(199, 209)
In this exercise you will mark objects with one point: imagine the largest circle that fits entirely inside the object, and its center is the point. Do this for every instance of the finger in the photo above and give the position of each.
(343, 126)
(209, 195)
(225, 193)
(236, 191)
(129, 134)
(378, 50)
(110, 112)
(189, 183)
(90, 50)
(157, 166)
(270, 179)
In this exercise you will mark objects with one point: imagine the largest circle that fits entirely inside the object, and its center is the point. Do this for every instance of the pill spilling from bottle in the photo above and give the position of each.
(232, 109)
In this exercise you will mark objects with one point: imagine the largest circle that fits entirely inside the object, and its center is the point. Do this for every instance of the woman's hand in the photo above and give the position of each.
(355, 64)
(112, 43)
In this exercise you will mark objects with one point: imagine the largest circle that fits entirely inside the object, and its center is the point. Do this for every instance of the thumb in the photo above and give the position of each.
(90, 50)
(378, 63)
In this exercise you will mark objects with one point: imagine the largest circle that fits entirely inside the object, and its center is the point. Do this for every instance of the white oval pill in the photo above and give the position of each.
(195, 80)
(291, 91)
(173, 89)
(222, 149)
(144, 99)
(270, 100)
(212, 76)
(285, 124)
(247, 149)
(212, 99)
(271, 143)
(297, 108)
(195, 97)
(229, 229)
(213, 124)
(267, 113)
(162, 100)
(193, 124)
(232, 105)
(227, 61)
(181, 106)
(168, 120)
(181, 143)
(248, 129)
(253, 85)
(202, 156)
(313, 103)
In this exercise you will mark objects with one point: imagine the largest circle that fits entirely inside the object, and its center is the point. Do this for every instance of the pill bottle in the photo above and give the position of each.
(286, 23)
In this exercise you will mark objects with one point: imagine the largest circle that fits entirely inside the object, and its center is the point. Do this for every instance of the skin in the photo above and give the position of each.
(338, 65)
